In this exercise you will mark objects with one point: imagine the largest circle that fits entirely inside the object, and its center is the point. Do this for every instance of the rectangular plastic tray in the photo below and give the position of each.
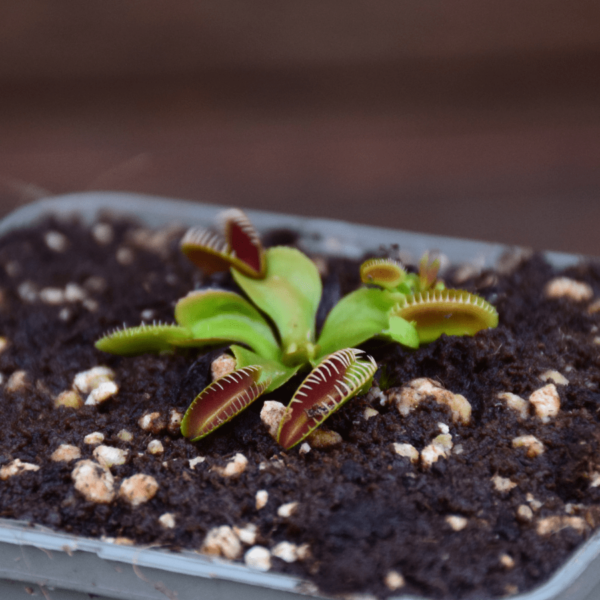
(56, 566)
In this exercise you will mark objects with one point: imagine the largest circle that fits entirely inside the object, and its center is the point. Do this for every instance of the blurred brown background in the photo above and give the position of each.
(473, 118)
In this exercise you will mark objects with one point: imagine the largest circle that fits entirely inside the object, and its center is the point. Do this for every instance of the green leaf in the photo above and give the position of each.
(403, 332)
(356, 318)
(384, 272)
(337, 379)
(221, 316)
(453, 312)
(142, 339)
(276, 372)
(290, 294)
(240, 248)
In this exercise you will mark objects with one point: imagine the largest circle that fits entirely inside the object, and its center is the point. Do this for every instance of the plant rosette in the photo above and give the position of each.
(273, 328)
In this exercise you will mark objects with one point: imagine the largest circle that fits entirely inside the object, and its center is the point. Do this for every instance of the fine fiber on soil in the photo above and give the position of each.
(487, 520)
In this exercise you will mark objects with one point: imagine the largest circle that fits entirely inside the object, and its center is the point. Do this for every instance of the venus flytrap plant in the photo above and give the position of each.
(283, 284)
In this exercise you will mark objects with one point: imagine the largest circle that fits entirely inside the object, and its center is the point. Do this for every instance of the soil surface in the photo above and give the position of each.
(485, 521)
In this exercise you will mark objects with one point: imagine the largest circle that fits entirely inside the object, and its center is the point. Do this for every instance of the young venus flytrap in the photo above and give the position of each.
(284, 284)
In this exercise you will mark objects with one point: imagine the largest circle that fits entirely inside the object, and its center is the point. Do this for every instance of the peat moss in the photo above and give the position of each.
(362, 509)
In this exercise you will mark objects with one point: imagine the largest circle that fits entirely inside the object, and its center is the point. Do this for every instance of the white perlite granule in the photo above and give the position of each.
(394, 580)
(259, 558)
(93, 438)
(152, 422)
(94, 482)
(524, 513)
(409, 396)
(125, 256)
(456, 522)
(247, 534)
(503, 484)
(74, 293)
(86, 381)
(51, 295)
(103, 233)
(557, 522)
(175, 418)
(16, 467)
(304, 448)
(155, 447)
(138, 489)
(16, 382)
(196, 461)
(222, 541)
(235, 467)
(507, 561)
(103, 392)
(376, 395)
(167, 520)
(68, 399)
(262, 497)
(440, 447)
(56, 241)
(287, 552)
(287, 510)
(369, 413)
(546, 402)
(533, 445)
(108, 456)
(271, 414)
(407, 451)
(66, 453)
(564, 287)
(516, 403)
(222, 365)
(554, 377)
(124, 435)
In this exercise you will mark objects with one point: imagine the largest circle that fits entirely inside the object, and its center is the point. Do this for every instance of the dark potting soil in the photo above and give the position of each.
(363, 510)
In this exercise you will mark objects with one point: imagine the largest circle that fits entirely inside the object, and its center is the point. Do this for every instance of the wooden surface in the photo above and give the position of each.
(477, 122)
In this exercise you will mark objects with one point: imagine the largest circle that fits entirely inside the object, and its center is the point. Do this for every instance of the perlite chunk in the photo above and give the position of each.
(271, 414)
(516, 403)
(16, 467)
(102, 392)
(66, 453)
(557, 522)
(407, 451)
(86, 381)
(262, 497)
(534, 446)
(222, 541)
(409, 396)
(235, 467)
(259, 558)
(94, 482)
(555, 377)
(440, 447)
(289, 552)
(564, 287)
(109, 456)
(287, 510)
(503, 484)
(138, 489)
(546, 402)
(456, 522)
(222, 365)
